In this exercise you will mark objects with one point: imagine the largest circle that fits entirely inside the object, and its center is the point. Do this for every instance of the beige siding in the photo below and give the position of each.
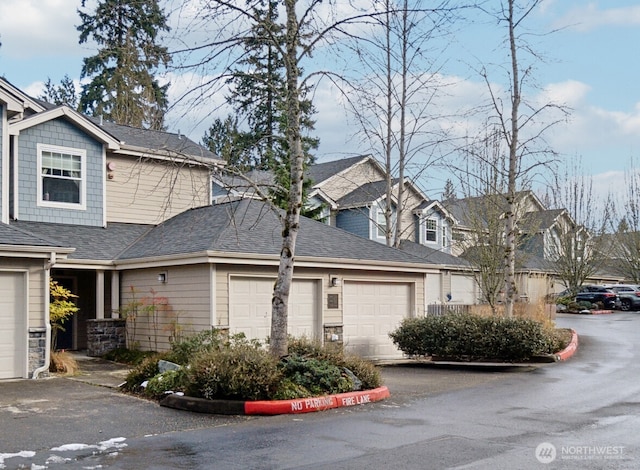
(187, 293)
(354, 177)
(150, 191)
(408, 217)
(36, 292)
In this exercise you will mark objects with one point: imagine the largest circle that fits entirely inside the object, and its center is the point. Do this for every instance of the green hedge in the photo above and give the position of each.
(471, 337)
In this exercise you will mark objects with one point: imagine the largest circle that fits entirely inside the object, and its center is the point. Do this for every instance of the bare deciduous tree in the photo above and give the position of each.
(574, 249)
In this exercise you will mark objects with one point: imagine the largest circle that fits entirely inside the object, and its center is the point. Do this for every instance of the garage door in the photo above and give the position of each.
(12, 325)
(371, 311)
(463, 289)
(250, 307)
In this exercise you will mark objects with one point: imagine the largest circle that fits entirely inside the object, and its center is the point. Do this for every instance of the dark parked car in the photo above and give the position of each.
(629, 296)
(595, 294)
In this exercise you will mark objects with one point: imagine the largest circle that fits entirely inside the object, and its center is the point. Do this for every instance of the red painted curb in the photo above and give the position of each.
(570, 350)
(308, 405)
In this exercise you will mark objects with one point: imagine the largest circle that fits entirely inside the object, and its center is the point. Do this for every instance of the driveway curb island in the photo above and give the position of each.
(308, 405)
(275, 407)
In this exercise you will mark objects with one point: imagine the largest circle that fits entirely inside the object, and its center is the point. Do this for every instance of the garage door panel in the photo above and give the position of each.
(371, 311)
(12, 325)
(250, 307)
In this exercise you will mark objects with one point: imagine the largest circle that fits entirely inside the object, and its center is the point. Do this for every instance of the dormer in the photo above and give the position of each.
(434, 226)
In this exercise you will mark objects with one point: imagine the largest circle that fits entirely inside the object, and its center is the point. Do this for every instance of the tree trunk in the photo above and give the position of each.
(291, 223)
(510, 226)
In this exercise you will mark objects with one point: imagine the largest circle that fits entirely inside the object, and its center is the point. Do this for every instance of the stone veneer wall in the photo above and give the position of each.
(105, 335)
(37, 350)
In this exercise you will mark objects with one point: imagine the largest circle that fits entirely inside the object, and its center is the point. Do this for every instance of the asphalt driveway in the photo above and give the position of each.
(36, 415)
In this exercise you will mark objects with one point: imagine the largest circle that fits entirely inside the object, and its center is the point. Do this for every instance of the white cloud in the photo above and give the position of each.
(589, 17)
(37, 28)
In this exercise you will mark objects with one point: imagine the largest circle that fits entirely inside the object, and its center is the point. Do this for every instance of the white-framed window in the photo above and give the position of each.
(381, 224)
(62, 180)
(431, 230)
(444, 236)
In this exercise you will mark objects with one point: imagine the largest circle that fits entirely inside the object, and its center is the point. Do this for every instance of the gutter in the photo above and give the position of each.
(47, 321)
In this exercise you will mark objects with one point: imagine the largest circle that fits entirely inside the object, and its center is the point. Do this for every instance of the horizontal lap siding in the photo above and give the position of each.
(149, 191)
(187, 291)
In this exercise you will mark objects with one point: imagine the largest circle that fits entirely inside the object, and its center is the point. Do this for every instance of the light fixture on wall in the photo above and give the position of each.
(335, 281)
(162, 277)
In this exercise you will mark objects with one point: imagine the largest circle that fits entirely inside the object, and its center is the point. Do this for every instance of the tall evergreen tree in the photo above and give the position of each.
(123, 87)
(259, 91)
(63, 93)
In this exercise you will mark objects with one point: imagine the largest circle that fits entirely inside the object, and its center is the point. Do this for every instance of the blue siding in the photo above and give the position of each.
(355, 221)
(59, 132)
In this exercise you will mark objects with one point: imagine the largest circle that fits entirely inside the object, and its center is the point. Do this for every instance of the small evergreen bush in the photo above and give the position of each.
(239, 370)
(471, 337)
(318, 376)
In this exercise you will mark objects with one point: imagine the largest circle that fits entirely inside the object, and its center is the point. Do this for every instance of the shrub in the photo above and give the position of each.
(171, 380)
(63, 362)
(471, 337)
(127, 356)
(184, 349)
(239, 370)
(147, 369)
(318, 376)
(364, 370)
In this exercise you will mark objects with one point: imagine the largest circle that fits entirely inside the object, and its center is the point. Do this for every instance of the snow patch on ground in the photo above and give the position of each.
(114, 443)
(23, 453)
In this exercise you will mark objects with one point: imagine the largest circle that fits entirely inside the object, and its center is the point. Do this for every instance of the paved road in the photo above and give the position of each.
(582, 414)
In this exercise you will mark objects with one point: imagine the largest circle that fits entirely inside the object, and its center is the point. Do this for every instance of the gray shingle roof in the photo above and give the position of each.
(535, 221)
(365, 194)
(155, 140)
(320, 172)
(91, 243)
(148, 139)
(431, 256)
(251, 227)
(10, 235)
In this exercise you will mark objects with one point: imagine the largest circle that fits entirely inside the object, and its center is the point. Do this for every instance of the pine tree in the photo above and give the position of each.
(449, 191)
(259, 94)
(63, 93)
(123, 88)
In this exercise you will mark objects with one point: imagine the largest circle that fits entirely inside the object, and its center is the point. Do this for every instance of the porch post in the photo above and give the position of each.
(115, 294)
(99, 295)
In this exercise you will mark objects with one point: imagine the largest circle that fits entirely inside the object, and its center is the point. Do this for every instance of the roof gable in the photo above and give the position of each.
(74, 117)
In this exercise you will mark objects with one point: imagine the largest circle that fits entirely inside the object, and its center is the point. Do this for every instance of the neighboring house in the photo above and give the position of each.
(539, 231)
(354, 192)
(119, 214)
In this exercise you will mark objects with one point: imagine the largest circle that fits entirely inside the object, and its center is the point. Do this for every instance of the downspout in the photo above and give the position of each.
(47, 322)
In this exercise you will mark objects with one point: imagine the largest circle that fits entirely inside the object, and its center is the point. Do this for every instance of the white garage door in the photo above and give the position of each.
(250, 307)
(371, 311)
(12, 325)
(463, 289)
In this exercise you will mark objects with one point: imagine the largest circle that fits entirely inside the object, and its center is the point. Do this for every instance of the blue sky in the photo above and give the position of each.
(591, 66)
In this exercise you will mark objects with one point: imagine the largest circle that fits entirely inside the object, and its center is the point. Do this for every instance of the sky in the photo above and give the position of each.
(590, 65)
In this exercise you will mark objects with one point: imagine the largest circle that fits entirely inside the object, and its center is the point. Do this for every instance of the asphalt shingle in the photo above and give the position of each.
(91, 243)
(251, 227)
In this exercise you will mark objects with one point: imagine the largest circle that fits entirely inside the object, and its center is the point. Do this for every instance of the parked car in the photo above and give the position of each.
(629, 295)
(595, 294)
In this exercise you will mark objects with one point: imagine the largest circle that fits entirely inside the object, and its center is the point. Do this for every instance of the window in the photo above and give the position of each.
(431, 232)
(62, 179)
(444, 236)
(381, 223)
